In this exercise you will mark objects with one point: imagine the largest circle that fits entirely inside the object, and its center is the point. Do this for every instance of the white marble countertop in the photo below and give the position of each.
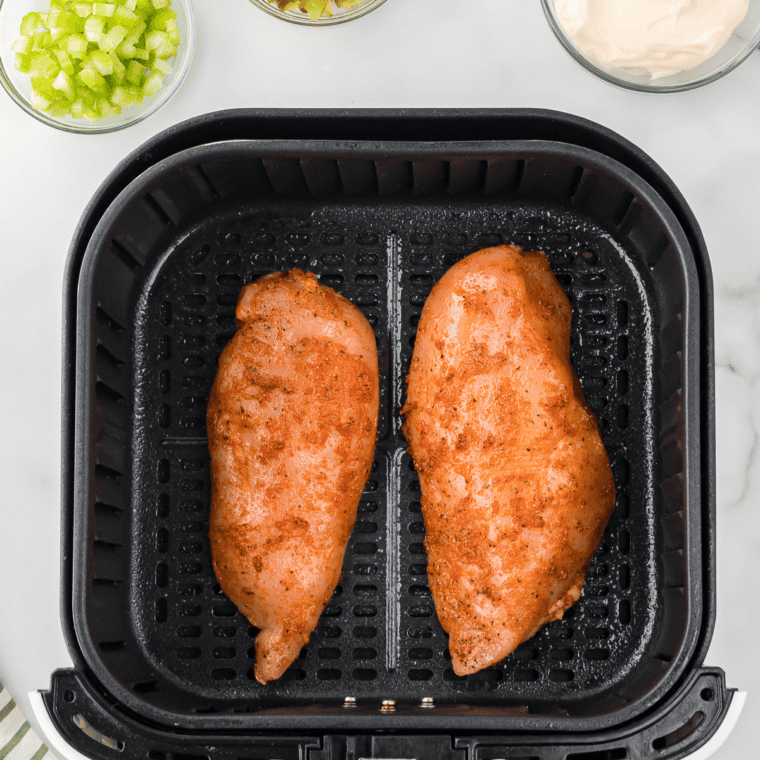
(426, 53)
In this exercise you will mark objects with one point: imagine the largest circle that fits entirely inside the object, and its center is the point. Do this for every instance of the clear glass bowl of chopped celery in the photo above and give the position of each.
(99, 78)
(317, 12)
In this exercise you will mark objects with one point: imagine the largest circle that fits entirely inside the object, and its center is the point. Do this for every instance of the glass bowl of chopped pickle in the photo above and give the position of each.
(94, 67)
(317, 12)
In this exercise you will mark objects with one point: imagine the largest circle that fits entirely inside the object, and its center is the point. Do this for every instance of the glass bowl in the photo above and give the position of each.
(338, 17)
(19, 86)
(740, 45)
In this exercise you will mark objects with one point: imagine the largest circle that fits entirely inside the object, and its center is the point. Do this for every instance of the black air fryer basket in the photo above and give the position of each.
(379, 205)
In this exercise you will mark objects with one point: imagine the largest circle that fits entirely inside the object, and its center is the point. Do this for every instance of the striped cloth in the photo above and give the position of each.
(17, 739)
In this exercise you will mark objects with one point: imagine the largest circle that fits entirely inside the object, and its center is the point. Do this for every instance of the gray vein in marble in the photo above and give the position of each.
(747, 293)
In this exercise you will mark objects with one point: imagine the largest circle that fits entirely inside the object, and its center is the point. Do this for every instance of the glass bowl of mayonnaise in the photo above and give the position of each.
(656, 46)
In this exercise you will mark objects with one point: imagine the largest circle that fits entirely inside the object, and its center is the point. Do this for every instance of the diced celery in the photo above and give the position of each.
(159, 20)
(131, 39)
(136, 93)
(172, 31)
(42, 40)
(161, 66)
(104, 107)
(125, 16)
(111, 40)
(23, 63)
(23, 44)
(86, 95)
(93, 80)
(94, 28)
(155, 38)
(105, 10)
(52, 19)
(76, 46)
(165, 50)
(64, 83)
(121, 97)
(101, 61)
(134, 37)
(118, 66)
(64, 61)
(40, 102)
(44, 86)
(137, 31)
(30, 22)
(134, 72)
(44, 65)
(315, 8)
(152, 85)
(125, 51)
(60, 108)
(69, 22)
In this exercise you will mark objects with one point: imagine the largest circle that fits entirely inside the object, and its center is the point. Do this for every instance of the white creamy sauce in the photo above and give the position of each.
(662, 37)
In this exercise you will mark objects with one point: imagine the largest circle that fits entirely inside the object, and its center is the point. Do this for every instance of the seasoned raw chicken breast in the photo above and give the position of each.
(292, 420)
(516, 485)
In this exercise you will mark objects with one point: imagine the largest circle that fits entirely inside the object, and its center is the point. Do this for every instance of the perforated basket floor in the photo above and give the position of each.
(159, 284)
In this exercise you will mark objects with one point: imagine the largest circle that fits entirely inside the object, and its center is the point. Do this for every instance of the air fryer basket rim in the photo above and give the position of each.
(438, 119)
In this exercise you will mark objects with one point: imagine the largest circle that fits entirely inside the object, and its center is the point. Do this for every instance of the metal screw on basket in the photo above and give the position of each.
(389, 706)
(349, 702)
(427, 702)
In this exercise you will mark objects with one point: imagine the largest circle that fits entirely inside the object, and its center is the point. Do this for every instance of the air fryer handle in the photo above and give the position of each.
(676, 729)
(680, 727)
